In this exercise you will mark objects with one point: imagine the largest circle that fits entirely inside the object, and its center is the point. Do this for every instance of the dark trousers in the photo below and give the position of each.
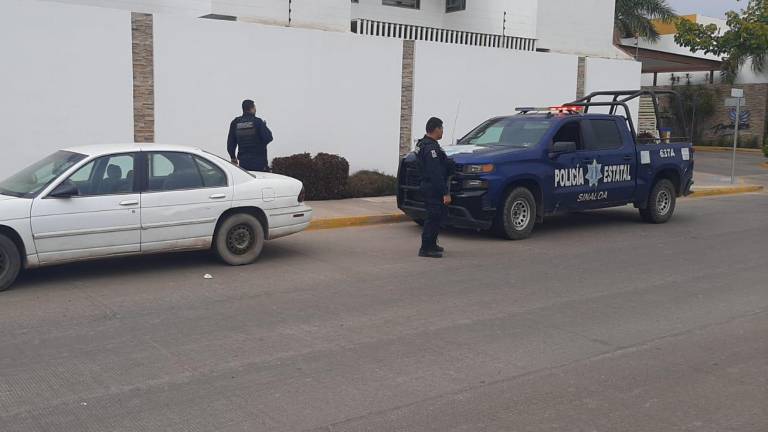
(436, 215)
(256, 165)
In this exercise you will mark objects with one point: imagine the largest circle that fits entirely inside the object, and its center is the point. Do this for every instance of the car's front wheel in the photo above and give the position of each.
(518, 216)
(239, 239)
(10, 262)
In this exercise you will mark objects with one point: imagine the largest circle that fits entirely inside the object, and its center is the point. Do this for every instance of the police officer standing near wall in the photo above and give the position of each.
(248, 140)
(435, 171)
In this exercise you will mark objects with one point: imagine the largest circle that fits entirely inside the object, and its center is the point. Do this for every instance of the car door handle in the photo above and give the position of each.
(218, 196)
(129, 203)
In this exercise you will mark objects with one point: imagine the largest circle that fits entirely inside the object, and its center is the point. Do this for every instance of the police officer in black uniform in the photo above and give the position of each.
(435, 171)
(248, 139)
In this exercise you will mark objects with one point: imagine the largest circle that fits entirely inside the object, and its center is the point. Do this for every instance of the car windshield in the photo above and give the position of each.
(519, 131)
(33, 179)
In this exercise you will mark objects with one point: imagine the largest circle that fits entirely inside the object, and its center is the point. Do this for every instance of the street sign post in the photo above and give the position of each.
(738, 101)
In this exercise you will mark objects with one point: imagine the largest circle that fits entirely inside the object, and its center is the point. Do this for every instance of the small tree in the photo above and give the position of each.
(745, 39)
(699, 103)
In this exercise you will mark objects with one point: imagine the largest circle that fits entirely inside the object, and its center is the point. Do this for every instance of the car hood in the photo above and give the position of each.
(471, 153)
(14, 208)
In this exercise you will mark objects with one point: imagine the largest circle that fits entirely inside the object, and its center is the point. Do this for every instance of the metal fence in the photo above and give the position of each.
(412, 32)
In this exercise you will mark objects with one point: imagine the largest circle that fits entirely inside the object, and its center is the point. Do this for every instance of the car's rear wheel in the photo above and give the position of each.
(661, 203)
(10, 262)
(239, 239)
(518, 216)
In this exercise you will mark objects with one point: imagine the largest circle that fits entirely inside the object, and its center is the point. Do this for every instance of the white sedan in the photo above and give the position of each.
(113, 200)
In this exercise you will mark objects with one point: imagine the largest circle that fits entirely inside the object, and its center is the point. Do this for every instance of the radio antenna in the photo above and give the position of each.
(455, 120)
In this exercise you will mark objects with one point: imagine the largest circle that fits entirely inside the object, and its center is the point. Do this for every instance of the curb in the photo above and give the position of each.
(345, 222)
(725, 190)
(710, 149)
(357, 221)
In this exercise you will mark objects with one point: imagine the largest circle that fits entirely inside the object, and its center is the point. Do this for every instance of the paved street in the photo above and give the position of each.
(597, 323)
(748, 166)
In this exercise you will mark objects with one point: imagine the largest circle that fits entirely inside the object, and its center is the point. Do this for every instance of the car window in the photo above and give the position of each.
(107, 175)
(212, 175)
(570, 132)
(518, 132)
(170, 171)
(605, 135)
(33, 179)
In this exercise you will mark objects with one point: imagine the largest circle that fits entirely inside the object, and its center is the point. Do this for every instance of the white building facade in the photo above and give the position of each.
(582, 27)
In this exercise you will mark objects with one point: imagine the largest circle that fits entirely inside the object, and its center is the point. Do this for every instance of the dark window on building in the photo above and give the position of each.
(606, 135)
(410, 4)
(220, 17)
(455, 5)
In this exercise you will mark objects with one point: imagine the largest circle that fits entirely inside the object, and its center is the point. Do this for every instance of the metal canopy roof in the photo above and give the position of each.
(661, 61)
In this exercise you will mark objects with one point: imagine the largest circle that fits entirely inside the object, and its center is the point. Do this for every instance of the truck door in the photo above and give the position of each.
(614, 154)
(570, 168)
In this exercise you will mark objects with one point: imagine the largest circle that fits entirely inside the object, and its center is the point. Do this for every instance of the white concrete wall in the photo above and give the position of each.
(583, 27)
(66, 79)
(486, 82)
(486, 16)
(180, 7)
(319, 14)
(605, 74)
(319, 91)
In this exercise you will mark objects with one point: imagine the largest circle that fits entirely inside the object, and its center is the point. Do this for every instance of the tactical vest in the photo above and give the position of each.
(245, 132)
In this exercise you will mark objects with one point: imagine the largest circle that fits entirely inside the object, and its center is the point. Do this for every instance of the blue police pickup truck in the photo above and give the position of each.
(513, 171)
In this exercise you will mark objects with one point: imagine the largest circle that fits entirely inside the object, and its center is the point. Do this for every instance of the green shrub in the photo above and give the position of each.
(765, 146)
(749, 142)
(370, 184)
(324, 176)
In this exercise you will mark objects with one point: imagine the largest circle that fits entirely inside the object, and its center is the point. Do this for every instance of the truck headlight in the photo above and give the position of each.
(478, 169)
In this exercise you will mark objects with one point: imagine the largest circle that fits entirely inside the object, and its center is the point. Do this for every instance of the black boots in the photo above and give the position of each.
(430, 253)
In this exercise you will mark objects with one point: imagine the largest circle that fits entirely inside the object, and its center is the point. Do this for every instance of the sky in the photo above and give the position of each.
(712, 8)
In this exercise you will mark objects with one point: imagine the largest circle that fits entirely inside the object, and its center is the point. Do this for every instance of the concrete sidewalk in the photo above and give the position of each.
(378, 210)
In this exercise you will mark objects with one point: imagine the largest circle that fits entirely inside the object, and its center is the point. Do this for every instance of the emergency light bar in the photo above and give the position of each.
(562, 109)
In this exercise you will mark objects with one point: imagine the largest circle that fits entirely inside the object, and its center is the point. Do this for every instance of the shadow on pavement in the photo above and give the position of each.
(142, 266)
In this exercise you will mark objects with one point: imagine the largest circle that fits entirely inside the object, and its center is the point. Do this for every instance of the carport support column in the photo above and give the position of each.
(143, 78)
(406, 97)
(581, 78)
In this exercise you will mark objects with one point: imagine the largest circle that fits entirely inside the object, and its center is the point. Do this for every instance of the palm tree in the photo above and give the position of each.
(633, 17)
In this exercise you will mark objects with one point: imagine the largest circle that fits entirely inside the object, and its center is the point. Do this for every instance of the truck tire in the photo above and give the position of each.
(661, 203)
(239, 239)
(10, 262)
(518, 216)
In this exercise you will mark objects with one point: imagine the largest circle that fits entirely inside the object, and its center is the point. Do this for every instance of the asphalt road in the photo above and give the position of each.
(597, 323)
(720, 163)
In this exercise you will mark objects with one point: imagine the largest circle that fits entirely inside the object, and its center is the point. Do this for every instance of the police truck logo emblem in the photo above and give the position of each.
(594, 174)
(570, 177)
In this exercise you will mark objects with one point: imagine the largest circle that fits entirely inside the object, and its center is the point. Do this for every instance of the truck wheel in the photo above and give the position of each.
(10, 262)
(239, 239)
(661, 203)
(518, 216)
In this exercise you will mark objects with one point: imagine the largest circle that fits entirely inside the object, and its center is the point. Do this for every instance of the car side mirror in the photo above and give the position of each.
(561, 147)
(67, 189)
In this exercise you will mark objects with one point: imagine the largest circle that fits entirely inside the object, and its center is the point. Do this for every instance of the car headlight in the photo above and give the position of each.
(478, 169)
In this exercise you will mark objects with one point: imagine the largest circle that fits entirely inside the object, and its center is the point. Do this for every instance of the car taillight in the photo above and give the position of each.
(302, 195)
